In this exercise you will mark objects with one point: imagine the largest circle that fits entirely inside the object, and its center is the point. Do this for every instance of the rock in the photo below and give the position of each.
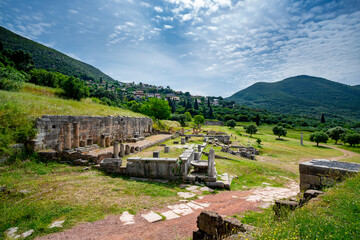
(182, 186)
(86, 169)
(111, 165)
(81, 162)
(207, 189)
(209, 222)
(11, 232)
(27, 233)
(186, 194)
(3, 189)
(24, 191)
(152, 217)
(57, 224)
(126, 218)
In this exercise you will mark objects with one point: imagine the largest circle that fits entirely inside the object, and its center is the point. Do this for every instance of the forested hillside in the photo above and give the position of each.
(50, 59)
(303, 95)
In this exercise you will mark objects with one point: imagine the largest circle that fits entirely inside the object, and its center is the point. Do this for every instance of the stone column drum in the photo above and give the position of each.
(116, 149)
(127, 149)
(211, 163)
(122, 150)
(76, 135)
(67, 137)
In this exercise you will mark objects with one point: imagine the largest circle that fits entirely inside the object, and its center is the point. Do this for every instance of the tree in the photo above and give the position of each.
(198, 120)
(352, 139)
(196, 104)
(322, 118)
(279, 131)
(188, 117)
(74, 88)
(231, 123)
(156, 108)
(211, 113)
(257, 120)
(319, 137)
(335, 133)
(251, 129)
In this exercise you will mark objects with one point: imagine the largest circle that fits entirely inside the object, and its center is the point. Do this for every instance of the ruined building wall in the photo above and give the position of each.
(68, 132)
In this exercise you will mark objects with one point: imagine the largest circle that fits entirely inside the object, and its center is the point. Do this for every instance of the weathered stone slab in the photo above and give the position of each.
(170, 215)
(152, 217)
(186, 195)
(126, 218)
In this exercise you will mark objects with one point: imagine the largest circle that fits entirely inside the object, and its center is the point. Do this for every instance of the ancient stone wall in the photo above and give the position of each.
(67, 132)
(214, 123)
(156, 168)
(320, 173)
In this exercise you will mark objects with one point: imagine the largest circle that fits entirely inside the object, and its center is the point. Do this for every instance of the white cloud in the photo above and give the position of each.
(158, 9)
(73, 11)
(168, 26)
(145, 4)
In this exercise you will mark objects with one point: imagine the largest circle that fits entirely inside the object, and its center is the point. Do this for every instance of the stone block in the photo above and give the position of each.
(304, 168)
(309, 194)
(216, 184)
(166, 149)
(111, 164)
(311, 179)
(156, 154)
(304, 186)
(209, 222)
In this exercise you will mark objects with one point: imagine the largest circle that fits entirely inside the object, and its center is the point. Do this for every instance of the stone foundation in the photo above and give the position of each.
(320, 173)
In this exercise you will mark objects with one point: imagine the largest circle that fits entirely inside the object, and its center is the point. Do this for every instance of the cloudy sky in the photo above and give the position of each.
(207, 47)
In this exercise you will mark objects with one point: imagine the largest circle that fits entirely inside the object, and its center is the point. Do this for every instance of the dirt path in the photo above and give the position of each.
(225, 203)
(347, 153)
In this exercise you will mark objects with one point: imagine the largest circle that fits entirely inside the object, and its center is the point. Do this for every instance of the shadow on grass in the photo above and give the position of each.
(320, 146)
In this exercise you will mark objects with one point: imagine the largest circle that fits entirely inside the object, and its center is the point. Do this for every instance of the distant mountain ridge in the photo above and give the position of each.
(50, 59)
(303, 94)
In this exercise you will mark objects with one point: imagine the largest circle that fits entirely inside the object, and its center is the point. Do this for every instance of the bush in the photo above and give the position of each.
(11, 79)
(74, 88)
(15, 127)
(231, 123)
(157, 108)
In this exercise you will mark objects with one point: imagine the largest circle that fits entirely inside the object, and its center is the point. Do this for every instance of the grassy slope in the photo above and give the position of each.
(38, 101)
(335, 215)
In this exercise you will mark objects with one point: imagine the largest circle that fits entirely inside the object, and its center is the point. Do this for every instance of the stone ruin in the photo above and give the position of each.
(62, 133)
(319, 173)
(211, 225)
(314, 176)
(246, 152)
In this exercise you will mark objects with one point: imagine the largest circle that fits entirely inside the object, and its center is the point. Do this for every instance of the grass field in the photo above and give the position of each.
(38, 101)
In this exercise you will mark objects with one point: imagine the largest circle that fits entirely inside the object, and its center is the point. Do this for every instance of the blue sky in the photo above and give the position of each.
(207, 47)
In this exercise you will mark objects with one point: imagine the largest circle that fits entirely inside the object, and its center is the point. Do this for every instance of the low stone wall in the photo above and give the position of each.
(185, 158)
(214, 123)
(320, 173)
(68, 132)
(158, 168)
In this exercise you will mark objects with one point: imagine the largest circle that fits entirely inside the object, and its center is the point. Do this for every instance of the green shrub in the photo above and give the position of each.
(15, 127)
(11, 79)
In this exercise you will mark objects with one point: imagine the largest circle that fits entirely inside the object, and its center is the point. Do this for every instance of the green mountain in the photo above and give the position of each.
(50, 59)
(303, 95)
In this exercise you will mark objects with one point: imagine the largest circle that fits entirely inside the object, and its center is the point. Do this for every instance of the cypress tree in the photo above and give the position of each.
(322, 118)
(196, 105)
